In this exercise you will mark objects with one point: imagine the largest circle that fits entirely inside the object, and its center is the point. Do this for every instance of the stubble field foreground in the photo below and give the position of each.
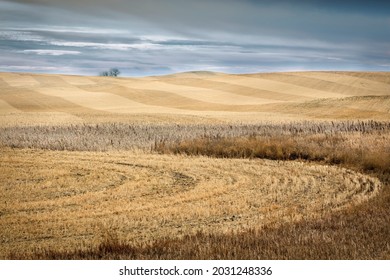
(195, 165)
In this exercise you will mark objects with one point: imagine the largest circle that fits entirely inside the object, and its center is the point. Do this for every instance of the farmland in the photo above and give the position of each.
(195, 165)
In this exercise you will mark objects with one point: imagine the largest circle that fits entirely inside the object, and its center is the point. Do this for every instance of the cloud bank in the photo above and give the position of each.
(152, 37)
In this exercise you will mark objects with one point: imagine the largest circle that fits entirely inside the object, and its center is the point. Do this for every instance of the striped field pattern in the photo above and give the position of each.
(194, 97)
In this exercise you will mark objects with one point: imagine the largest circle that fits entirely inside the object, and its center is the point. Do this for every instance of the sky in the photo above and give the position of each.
(156, 37)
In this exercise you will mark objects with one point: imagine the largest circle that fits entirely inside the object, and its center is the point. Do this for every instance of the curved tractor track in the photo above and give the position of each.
(66, 200)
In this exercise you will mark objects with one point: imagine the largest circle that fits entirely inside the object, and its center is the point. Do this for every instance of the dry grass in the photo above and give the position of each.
(122, 136)
(368, 152)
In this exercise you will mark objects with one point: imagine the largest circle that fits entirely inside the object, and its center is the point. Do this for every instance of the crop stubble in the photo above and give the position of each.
(53, 199)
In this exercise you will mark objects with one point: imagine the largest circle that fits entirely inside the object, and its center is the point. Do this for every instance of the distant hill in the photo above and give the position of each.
(202, 94)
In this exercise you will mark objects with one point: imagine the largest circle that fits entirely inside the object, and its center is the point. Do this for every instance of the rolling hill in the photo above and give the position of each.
(194, 96)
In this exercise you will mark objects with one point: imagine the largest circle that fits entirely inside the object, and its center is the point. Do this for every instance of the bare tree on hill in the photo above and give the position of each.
(113, 72)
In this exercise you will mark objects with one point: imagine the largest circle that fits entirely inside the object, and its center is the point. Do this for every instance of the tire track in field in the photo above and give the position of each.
(140, 197)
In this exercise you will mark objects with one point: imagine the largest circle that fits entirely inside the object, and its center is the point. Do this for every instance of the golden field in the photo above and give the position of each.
(195, 165)
(198, 97)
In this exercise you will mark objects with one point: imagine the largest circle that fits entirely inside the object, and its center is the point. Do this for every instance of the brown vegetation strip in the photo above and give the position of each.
(366, 152)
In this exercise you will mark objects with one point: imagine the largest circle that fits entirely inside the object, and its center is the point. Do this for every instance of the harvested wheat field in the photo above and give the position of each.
(195, 165)
(195, 97)
(63, 199)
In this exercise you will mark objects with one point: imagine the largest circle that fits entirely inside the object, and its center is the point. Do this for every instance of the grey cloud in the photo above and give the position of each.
(150, 37)
(227, 20)
(328, 19)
